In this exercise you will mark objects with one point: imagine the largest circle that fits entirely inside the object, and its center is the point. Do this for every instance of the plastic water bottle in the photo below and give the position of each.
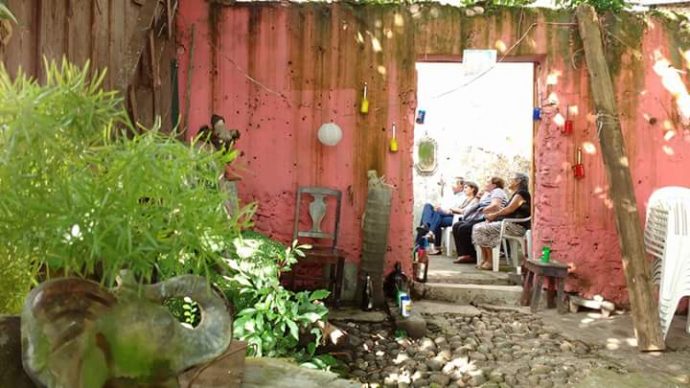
(405, 305)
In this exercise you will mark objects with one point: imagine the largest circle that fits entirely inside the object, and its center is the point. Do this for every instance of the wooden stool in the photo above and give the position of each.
(534, 279)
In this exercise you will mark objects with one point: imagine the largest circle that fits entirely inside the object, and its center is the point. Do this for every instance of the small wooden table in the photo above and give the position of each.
(534, 280)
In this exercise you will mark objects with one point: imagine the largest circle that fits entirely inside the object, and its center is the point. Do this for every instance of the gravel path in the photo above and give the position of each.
(495, 349)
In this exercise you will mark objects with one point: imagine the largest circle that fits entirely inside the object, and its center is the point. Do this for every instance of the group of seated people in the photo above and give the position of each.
(476, 217)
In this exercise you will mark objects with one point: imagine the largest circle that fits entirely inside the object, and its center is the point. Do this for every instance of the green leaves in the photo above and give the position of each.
(5, 13)
(319, 295)
(272, 319)
(599, 5)
(79, 199)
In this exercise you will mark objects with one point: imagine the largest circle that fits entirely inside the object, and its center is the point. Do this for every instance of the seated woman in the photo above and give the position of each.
(471, 191)
(494, 199)
(487, 234)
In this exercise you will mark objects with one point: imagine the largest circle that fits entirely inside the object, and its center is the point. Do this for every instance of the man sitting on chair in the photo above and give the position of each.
(435, 217)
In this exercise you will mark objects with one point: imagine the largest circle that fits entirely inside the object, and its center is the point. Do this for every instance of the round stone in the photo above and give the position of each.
(511, 380)
(434, 364)
(440, 379)
(478, 356)
(359, 373)
(545, 383)
(477, 379)
(541, 369)
(496, 376)
(440, 340)
(427, 344)
(444, 355)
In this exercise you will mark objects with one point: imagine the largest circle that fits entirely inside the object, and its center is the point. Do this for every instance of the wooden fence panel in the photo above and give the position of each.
(97, 31)
(21, 50)
(78, 31)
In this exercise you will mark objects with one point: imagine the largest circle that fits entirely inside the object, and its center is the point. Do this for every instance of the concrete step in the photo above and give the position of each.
(443, 270)
(493, 278)
(469, 293)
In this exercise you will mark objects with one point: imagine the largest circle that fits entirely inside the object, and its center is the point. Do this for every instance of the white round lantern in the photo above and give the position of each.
(330, 134)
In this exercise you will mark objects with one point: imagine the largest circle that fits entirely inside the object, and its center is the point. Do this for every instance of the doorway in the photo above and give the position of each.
(470, 124)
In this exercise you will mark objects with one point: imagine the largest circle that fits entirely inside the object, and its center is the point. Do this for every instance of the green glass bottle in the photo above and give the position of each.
(545, 254)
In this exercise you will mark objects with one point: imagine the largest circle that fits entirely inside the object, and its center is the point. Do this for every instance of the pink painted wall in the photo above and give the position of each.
(278, 71)
(577, 215)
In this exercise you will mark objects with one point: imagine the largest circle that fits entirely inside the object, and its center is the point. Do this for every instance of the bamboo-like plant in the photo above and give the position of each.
(77, 198)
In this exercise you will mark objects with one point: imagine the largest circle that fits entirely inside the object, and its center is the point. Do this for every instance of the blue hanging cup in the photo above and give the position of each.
(536, 114)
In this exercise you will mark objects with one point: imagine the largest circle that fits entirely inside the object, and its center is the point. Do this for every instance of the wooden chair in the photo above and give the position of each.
(324, 242)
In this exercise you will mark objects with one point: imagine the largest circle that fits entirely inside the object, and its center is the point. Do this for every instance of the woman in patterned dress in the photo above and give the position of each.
(487, 234)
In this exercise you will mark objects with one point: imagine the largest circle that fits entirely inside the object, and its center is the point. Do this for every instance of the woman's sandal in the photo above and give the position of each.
(485, 266)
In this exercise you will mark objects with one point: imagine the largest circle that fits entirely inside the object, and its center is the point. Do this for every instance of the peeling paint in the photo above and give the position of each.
(278, 71)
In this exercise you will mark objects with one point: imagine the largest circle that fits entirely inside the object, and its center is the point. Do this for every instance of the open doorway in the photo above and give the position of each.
(471, 125)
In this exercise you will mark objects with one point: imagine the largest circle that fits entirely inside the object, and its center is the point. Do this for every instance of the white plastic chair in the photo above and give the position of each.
(504, 240)
(447, 240)
(667, 239)
(519, 245)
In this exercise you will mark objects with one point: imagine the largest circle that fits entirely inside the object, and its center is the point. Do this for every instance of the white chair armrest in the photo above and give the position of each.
(514, 220)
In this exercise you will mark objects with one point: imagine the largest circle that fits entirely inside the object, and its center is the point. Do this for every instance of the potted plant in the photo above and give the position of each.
(86, 208)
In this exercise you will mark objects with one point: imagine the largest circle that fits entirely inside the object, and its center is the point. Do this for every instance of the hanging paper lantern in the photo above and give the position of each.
(330, 134)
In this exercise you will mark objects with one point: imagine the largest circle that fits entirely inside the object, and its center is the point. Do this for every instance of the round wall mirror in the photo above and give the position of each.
(427, 156)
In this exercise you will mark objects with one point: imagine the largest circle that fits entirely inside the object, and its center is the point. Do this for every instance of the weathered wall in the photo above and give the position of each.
(277, 71)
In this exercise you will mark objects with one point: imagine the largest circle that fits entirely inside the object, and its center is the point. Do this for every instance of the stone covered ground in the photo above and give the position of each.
(503, 348)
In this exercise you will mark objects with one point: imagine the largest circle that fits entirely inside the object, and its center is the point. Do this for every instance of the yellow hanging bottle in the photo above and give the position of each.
(394, 142)
(364, 107)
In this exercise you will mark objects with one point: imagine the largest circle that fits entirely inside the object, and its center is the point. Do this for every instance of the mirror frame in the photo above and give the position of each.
(430, 167)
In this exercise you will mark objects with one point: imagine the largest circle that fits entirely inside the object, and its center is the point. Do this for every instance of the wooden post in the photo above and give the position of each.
(136, 44)
(635, 265)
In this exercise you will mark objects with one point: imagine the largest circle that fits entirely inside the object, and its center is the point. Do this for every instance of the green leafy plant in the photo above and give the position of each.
(273, 320)
(79, 199)
(497, 3)
(324, 362)
(185, 310)
(600, 5)
(6, 14)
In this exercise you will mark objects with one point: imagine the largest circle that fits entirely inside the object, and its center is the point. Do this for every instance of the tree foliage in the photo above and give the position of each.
(79, 200)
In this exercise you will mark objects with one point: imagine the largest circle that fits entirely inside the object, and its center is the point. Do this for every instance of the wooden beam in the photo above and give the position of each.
(136, 44)
(630, 236)
(188, 88)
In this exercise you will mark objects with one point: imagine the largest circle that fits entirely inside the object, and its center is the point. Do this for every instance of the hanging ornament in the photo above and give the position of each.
(394, 141)
(579, 168)
(421, 114)
(536, 113)
(330, 134)
(364, 107)
(567, 127)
